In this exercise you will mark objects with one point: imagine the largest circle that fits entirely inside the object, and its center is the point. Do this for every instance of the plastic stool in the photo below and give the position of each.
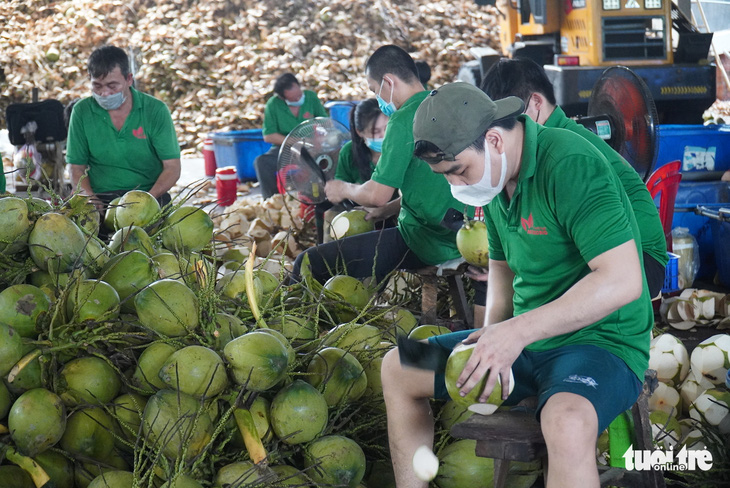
(665, 180)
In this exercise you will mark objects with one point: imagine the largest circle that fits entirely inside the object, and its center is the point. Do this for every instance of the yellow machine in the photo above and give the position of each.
(576, 40)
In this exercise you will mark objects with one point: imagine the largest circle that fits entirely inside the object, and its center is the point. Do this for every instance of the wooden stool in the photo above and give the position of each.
(429, 294)
(516, 436)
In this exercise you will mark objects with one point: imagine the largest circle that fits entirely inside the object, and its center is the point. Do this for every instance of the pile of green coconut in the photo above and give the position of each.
(163, 357)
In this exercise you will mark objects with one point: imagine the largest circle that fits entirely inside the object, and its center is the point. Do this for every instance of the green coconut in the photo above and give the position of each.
(89, 380)
(182, 481)
(171, 266)
(352, 295)
(471, 241)
(173, 420)
(132, 238)
(36, 421)
(127, 413)
(258, 360)
(340, 461)
(423, 332)
(187, 229)
(6, 400)
(89, 433)
(15, 225)
(240, 473)
(15, 477)
(295, 328)
(195, 370)
(136, 207)
(357, 339)
(80, 209)
(128, 273)
(291, 354)
(338, 375)
(113, 479)
(23, 307)
(350, 223)
(227, 328)
(290, 476)
(298, 413)
(92, 300)
(454, 366)
(461, 467)
(110, 215)
(58, 467)
(146, 373)
(11, 348)
(167, 307)
(56, 243)
(27, 378)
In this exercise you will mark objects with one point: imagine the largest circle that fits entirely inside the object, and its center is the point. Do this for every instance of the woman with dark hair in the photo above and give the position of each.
(359, 156)
(289, 106)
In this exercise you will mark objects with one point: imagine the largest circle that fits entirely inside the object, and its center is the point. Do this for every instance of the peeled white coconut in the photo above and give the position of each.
(714, 406)
(350, 223)
(425, 464)
(711, 358)
(669, 357)
(665, 430)
(665, 399)
(691, 388)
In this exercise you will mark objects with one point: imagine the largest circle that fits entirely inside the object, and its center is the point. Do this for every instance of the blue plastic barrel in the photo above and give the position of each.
(239, 148)
(340, 111)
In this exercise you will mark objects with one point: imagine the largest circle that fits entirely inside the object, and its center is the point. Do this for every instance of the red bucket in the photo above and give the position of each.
(226, 182)
(209, 158)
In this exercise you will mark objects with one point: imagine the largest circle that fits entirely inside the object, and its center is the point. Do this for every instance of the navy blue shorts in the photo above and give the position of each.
(586, 370)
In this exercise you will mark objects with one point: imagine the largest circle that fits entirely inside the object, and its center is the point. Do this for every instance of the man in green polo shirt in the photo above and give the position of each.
(419, 238)
(120, 139)
(568, 309)
(523, 78)
(289, 107)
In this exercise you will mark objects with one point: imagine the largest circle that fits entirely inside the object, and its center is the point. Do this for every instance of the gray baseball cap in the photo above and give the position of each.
(453, 116)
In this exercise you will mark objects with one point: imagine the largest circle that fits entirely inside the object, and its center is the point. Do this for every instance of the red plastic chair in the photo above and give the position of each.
(665, 180)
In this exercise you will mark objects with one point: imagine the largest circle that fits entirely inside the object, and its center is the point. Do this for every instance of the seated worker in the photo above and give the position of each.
(119, 138)
(359, 156)
(568, 309)
(424, 73)
(419, 239)
(525, 79)
(289, 106)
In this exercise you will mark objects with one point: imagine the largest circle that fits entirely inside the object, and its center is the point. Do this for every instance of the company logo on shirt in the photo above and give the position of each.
(139, 133)
(530, 228)
(307, 115)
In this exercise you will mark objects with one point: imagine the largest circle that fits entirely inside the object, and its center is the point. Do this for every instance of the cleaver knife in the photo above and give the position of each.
(422, 355)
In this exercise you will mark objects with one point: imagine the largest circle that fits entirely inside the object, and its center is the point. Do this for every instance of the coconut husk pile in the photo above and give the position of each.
(214, 62)
(697, 308)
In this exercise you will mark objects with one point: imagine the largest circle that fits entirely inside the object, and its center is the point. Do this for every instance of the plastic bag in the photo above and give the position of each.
(685, 246)
(27, 161)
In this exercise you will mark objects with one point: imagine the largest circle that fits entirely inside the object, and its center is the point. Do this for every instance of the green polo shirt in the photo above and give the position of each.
(425, 195)
(552, 227)
(126, 159)
(347, 170)
(647, 215)
(278, 118)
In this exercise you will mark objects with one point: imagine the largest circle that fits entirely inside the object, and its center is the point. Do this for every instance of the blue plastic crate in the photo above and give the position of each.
(239, 148)
(689, 196)
(700, 148)
(340, 111)
(671, 274)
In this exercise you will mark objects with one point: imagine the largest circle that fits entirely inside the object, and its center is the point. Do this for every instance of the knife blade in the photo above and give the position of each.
(422, 355)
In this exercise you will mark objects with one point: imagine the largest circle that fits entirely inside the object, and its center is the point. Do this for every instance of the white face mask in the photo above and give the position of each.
(482, 192)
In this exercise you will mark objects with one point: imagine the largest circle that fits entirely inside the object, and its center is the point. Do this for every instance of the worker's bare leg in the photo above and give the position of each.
(479, 312)
(570, 427)
(410, 421)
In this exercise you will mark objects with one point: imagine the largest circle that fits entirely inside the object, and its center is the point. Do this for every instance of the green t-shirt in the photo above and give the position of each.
(278, 118)
(647, 215)
(425, 195)
(347, 170)
(552, 227)
(130, 158)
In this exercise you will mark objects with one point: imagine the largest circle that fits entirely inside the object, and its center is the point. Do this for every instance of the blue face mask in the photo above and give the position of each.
(375, 144)
(110, 102)
(298, 103)
(387, 108)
